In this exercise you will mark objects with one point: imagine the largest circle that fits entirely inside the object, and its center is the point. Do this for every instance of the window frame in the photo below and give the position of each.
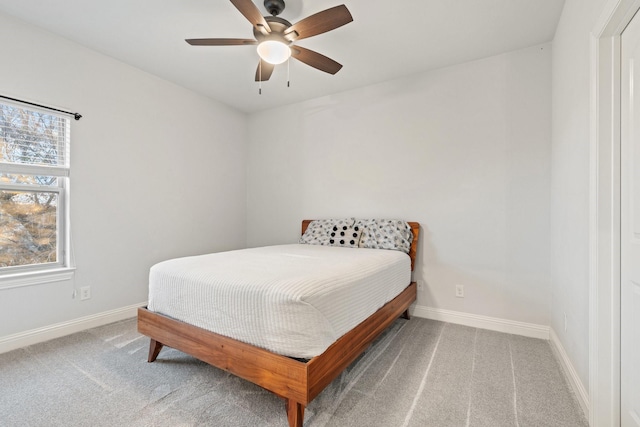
(61, 269)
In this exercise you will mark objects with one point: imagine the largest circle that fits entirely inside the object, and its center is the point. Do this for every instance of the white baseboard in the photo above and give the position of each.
(570, 372)
(483, 322)
(34, 336)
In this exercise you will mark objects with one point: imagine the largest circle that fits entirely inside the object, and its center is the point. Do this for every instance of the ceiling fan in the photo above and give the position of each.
(274, 36)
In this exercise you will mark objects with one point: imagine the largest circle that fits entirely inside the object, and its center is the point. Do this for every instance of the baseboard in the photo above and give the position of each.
(483, 322)
(570, 372)
(34, 336)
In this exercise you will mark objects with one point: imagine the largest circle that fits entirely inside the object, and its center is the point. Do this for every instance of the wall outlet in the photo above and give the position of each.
(460, 291)
(85, 293)
(420, 284)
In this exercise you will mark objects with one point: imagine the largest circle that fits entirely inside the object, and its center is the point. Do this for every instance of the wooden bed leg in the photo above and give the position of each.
(406, 315)
(154, 350)
(295, 413)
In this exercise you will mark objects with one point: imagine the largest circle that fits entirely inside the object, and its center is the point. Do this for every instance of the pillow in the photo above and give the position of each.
(342, 235)
(385, 234)
(317, 232)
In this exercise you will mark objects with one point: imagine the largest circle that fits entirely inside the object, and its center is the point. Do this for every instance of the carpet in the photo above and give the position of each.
(418, 373)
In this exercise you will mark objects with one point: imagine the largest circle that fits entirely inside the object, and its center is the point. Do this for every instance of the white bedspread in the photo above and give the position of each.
(294, 300)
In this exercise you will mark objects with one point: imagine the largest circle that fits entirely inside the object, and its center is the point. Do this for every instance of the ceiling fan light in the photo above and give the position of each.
(274, 52)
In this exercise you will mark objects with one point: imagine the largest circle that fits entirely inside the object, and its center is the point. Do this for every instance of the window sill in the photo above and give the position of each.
(18, 280)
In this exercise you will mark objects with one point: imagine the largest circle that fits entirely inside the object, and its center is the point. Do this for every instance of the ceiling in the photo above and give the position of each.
(386, 40)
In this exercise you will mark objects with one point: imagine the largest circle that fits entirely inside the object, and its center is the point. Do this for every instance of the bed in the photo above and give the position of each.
(296, 376)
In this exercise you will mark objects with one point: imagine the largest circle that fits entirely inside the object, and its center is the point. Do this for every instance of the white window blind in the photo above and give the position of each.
(33, 140)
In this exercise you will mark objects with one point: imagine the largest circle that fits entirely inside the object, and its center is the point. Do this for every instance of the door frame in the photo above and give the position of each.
(604, 215)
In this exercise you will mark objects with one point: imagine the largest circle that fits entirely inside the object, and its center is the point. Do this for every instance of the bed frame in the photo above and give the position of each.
(296, 381)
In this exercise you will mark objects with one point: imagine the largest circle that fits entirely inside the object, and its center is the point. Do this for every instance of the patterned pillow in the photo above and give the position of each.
(348, 237)
(385, 234)
(317, 232)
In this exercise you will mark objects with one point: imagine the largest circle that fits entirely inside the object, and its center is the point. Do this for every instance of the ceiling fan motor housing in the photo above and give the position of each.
(274, 7)
(278, 27)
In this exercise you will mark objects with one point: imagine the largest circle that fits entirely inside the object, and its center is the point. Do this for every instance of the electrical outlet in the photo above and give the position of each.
(460, 291)
(85, 293)
(420, 285)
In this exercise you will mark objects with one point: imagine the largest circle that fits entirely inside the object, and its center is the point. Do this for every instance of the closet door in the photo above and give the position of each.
(630, 227)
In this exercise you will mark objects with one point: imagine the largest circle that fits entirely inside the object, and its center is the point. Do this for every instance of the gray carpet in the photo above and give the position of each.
(419, 373)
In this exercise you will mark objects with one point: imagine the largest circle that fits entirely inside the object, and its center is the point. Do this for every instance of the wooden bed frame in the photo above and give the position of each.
(296, 381)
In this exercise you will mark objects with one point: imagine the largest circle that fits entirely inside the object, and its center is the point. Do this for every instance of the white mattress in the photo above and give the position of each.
(294, 300)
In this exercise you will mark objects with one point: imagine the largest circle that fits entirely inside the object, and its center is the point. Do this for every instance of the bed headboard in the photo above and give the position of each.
(415, 229)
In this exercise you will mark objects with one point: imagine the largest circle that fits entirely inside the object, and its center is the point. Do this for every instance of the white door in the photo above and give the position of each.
(630, 227)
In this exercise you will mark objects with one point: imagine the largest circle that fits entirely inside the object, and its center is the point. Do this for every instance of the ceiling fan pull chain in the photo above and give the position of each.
(260, 78)
(288, 74)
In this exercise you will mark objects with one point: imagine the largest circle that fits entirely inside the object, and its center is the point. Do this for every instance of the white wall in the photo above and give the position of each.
(463, 150)
(157, 172)
(570, 179)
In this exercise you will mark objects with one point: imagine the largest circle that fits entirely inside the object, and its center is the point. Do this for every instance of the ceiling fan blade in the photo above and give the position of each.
(319, 23)
(252, 13)
(315, 60)
(220, 42)
(265, 73)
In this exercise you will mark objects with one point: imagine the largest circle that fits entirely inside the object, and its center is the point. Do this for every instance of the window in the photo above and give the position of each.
(34, 183)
